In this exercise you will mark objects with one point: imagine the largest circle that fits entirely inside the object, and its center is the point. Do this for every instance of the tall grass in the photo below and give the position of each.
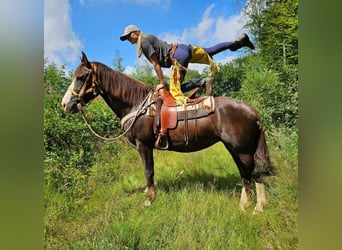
(196, 207)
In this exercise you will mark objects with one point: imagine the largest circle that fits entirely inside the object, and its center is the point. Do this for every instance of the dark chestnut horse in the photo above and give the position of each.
(234, 123)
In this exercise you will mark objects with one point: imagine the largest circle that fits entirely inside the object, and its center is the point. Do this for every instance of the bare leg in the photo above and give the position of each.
(261, 197)
(245, 195)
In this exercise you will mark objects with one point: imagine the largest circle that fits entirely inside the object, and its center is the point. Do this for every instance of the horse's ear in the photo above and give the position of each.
(84, 60)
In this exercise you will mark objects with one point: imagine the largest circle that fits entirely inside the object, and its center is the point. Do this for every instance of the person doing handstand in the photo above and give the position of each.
(164, 55)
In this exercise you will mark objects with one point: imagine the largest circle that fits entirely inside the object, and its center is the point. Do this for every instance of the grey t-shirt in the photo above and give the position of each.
(151, 44)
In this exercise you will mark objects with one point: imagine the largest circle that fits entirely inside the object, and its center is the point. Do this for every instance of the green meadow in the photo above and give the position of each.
(196, 207)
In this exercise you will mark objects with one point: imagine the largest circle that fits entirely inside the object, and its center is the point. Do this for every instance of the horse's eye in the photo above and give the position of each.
(80, 77)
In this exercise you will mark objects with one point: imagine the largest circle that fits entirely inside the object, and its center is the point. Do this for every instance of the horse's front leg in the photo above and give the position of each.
(146, 154)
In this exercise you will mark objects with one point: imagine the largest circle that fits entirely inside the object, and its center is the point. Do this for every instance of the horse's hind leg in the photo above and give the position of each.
(243, 162)
(261, 197)
(245, 194)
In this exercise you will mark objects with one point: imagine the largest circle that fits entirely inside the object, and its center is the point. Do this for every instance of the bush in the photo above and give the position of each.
(273, 94)
(70, 147)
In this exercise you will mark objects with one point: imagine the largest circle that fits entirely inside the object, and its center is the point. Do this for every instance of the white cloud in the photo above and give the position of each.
(198, 33)
(129, 70)
(210, 30)
(228, 29)
(226, 59)
(61, 44)
(203, 29)
(200, 67)
(156, 3)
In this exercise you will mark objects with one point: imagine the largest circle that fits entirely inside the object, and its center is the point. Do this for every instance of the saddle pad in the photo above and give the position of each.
(193, 111)
(197, 110)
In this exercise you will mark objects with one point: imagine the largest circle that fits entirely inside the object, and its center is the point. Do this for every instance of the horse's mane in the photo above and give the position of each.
(115, 83)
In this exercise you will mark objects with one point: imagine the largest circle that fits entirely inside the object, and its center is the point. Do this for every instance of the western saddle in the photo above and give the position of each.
(168, 113)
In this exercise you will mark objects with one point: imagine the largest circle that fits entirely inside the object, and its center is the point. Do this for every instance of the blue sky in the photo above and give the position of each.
(94, 26)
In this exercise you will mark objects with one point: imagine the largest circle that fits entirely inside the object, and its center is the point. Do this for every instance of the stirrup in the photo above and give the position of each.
(162, 141)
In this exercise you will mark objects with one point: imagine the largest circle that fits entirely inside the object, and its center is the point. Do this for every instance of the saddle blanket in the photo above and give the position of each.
(191, 110)
(197, 110)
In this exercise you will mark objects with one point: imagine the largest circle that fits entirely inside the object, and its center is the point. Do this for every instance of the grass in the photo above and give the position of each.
(195, 210)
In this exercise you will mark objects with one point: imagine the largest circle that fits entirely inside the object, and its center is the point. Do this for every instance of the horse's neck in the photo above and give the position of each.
(119, 107)
(117, 103)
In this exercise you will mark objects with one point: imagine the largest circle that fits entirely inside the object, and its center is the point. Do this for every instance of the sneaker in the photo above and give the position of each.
(244, 41)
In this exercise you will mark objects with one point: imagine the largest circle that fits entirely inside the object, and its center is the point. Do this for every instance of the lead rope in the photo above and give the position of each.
(140, 109)
(99, 136)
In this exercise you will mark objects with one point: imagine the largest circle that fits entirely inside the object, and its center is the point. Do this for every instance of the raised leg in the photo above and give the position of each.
(261, 197)
(146, 154)
(245, 195)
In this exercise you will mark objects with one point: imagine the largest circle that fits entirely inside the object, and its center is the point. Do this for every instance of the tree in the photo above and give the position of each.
(191, 74)
(230, 78)
(144, 72)
(70, 147)
(118, 62)
(274, 25)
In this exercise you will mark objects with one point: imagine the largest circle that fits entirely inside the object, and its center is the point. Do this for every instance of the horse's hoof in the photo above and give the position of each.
(243, 206)
(258, 211)
(148, 203)
(242, 209)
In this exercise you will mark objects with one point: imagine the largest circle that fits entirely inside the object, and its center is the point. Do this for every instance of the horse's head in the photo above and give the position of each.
(83, 87)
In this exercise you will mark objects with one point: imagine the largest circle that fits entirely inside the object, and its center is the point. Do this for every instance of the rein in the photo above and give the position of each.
(134, 115)
(141, 109)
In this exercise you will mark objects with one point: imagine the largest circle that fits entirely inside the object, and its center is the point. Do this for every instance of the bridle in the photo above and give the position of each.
(93, 88)
(84, 90)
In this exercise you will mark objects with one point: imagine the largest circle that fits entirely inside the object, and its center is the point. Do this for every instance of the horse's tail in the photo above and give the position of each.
(263, 165)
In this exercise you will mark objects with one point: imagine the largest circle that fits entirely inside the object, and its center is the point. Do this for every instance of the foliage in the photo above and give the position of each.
(118, 62)
(274, 98)
(274, 25)
(69, 145)
(191, 74)
(270, 77)
(144, 73)
(230, 78)
(195, 210)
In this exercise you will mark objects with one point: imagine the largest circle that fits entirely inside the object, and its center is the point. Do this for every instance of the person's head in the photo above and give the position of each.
(131, 33)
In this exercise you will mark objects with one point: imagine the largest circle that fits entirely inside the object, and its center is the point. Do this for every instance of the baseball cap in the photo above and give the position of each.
(128, 30)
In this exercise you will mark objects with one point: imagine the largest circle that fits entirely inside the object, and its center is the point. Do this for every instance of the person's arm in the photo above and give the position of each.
(157, 68)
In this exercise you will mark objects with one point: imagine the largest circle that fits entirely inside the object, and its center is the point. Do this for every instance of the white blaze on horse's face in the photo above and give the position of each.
(67, 97)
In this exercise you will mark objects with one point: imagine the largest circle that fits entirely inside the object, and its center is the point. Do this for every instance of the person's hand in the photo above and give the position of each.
(160, 86)
(162, 82)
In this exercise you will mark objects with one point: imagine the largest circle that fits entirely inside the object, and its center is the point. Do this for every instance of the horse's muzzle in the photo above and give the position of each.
(72, 107)
(79, 107)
